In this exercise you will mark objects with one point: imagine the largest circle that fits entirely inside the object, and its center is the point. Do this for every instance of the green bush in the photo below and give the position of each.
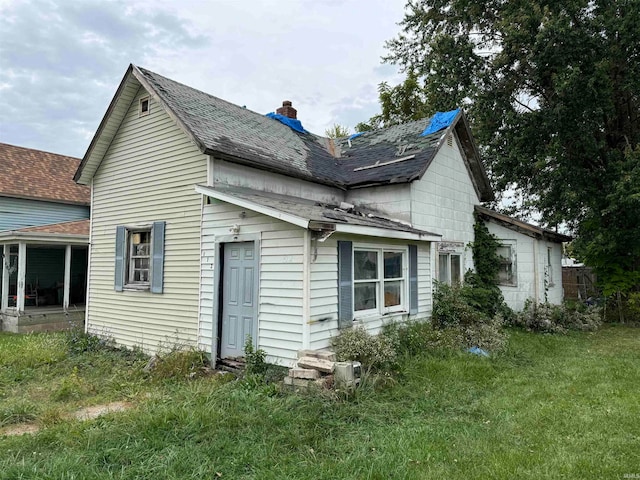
(179, 364)
(254, 359)
(454, 309)
(548, 318)
(356, 344)
(79, 341)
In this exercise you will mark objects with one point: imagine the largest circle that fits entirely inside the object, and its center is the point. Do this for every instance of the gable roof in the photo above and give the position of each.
(520, 226)
(37, 175)
(239, 135)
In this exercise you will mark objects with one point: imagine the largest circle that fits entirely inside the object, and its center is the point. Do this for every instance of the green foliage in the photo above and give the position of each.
(373, 351)
(79, 341)
(513, 412)
(179, 363)
(549, 318)
(553, 93)
(17, 410)
(337, 131)
(254, 359)
(452, 309)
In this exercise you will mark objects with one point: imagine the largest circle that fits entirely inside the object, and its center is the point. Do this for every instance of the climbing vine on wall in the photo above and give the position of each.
(484, 294)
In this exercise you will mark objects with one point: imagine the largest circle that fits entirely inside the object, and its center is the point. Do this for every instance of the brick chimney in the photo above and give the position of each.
(287, 110)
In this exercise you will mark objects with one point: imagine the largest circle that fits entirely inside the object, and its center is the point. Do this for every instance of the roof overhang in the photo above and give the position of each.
(309, 224)
(520, 226)
(41, 238)
(471, 156)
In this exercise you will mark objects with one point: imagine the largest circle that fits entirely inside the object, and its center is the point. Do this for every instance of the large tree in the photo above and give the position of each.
(553, 91)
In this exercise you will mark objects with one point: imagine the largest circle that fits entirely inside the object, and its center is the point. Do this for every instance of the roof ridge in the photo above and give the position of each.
(147, 71)
(39, 150)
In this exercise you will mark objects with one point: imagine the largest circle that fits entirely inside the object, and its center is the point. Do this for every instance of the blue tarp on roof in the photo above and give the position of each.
(356, 135)
(289, 122)
(440, 121)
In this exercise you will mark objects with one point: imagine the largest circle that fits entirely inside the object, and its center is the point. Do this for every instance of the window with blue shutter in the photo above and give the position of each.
(140, 258)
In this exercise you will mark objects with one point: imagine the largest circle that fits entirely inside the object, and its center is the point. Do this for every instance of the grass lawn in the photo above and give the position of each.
(550, 406)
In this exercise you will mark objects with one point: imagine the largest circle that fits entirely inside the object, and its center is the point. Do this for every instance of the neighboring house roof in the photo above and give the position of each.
(242, 136)
(37, 175)
(318, 216)
(75, 232)
(520, 226)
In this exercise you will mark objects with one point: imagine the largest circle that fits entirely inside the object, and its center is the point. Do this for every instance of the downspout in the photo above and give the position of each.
(536, 272)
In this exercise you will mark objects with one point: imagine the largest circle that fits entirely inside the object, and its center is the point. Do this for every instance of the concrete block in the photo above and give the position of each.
(307, 373)
(324, 366)
(322, 354)
(297, 382)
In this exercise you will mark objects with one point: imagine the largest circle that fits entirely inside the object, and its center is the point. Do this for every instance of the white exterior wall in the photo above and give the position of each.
(531, 265)
(225, 173)
(148, 174)
(324, 289)
(442, 201)
(281, 270)
(393, 200)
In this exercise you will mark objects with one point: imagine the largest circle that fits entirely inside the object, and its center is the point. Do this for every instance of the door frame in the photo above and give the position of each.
(218, 269)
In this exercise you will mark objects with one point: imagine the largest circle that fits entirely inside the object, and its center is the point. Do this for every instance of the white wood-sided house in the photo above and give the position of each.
(44, 235)
(211, 222)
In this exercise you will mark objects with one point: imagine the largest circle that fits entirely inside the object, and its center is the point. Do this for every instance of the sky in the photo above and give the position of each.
(61, 61)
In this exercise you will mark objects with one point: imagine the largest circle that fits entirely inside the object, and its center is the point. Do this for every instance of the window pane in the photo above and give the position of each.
(365, 265)
(455, 269)
(392, 293)
(141, 275)
(364, 296)
(443, 268)
(392, 264)
(504, 251)
(505, 274)
(141, 263)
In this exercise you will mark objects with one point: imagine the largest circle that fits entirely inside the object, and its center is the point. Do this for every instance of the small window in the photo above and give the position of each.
(507, 270)
(449, 268)
(144, 106)
(139, 257)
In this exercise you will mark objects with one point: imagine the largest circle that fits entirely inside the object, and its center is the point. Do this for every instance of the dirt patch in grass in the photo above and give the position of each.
(87, 413)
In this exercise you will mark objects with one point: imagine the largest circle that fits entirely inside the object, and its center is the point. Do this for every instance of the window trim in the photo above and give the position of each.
(511, 245)
(448, 280)
(129, 271)
(141, 112)
(380, 309)
(549, 268)
(156, 257)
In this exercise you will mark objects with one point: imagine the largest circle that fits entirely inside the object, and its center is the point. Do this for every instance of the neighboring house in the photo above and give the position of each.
(44, 233)
(211, 222)
(531, 265)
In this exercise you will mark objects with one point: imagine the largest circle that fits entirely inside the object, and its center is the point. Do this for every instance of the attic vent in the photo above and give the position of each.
(378, 164)
(144, 107)
(450, 140)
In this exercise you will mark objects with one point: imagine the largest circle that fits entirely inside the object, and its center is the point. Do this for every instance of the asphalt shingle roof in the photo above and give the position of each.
(78, 227)
(33, 174)
(248, 137)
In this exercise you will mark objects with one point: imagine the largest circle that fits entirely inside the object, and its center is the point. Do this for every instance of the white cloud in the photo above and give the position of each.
(58, 79)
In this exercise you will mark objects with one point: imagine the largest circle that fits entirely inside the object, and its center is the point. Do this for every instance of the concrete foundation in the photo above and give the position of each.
(42, 320)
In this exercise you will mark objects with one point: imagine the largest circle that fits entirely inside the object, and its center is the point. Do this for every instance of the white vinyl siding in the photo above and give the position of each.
(280, 300)
(147, 175)
(442, 201)
(525, 270)
(324, 289)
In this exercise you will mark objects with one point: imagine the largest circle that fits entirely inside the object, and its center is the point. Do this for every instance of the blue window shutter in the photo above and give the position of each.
(413, 279)
(345, 284)
(120, 252)
(157, 259)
